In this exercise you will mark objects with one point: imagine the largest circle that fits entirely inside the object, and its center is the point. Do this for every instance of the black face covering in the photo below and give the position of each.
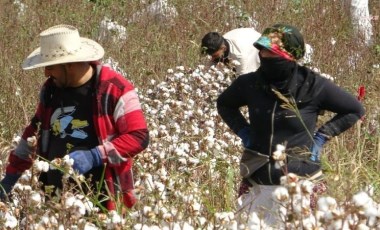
(277, 69)
(288, 78)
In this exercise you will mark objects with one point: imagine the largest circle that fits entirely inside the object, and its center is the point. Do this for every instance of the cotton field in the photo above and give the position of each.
(187, 178)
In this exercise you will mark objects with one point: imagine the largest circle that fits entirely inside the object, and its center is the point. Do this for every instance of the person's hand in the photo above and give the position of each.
(245, 137)
(319, 140)
(85, 160)
(7, 184)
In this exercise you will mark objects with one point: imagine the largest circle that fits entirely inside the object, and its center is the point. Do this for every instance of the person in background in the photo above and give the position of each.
(86, 111)
(283, 100)
(235, 45)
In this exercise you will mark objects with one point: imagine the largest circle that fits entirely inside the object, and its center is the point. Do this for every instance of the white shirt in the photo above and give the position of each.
(242, 50)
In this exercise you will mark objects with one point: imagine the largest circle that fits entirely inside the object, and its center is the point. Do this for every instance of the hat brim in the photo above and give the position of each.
(264, 42)
(90, 51)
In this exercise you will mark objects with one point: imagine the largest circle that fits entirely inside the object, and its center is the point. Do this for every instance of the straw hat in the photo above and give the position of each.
(62, 44)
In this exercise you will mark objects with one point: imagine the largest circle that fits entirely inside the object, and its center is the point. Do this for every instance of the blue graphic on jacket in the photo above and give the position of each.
(63, 124)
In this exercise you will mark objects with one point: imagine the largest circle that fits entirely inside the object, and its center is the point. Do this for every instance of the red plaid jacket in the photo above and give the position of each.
(120, 126)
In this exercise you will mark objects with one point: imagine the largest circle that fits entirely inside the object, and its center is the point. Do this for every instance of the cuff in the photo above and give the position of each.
(102, 152)
(327, 137)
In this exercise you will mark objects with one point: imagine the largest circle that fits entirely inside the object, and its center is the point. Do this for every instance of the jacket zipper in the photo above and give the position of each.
(271, 140)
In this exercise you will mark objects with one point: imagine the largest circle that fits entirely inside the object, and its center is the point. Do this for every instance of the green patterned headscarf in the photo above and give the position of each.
(284, 40)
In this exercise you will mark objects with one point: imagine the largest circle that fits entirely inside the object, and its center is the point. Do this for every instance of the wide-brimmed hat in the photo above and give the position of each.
(62, 44)
(284, 40)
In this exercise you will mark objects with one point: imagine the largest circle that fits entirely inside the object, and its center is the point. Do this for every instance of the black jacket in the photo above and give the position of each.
(271, 123)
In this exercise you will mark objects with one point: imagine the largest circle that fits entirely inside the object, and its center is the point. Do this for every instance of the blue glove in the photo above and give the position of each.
(85, 160)
(319, 140)
(245, 137)
(7, 184)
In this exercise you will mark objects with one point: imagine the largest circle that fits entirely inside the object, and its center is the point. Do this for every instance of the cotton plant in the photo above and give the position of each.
(189, 148)
(244, 19)
(111, 30)
(29, 201)
(65, 164)
(21, 8)
(185, 126)
(160, 10)
(111, 62)
(185, 106)
(226, 220)
(293, 200)
(179, 178)
(9, 220)
(293, 203)
(279, 156)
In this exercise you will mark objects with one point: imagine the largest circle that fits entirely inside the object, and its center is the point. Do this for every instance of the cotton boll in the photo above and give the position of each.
(16, 139)
(68, 161)
(281, 194)
(372, 213)
(279, 154)
(280, 147)
(45, 220)
(147, 210)
(292, 178)
(90, 226)
(35, 198)
(140, 227)
(161, 155)
(53, 220)
(69, 201)
(370, 189)
(159, 186)
(194, 161)
(115, 217)
(32, 141)
(336, 224)
(149, 185)
(163, 174)
(196, 207)
(326, 204)
(10, 221)
(180, 68)
(134, 215)
(309, 223)
(210, 123)
(362, 227)
(294, 188)
(306, 187)
(21, 187)
(89, 205)
(41, 166)
(301, 205)
(279, 164)
(361, 199)
(25, 177)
